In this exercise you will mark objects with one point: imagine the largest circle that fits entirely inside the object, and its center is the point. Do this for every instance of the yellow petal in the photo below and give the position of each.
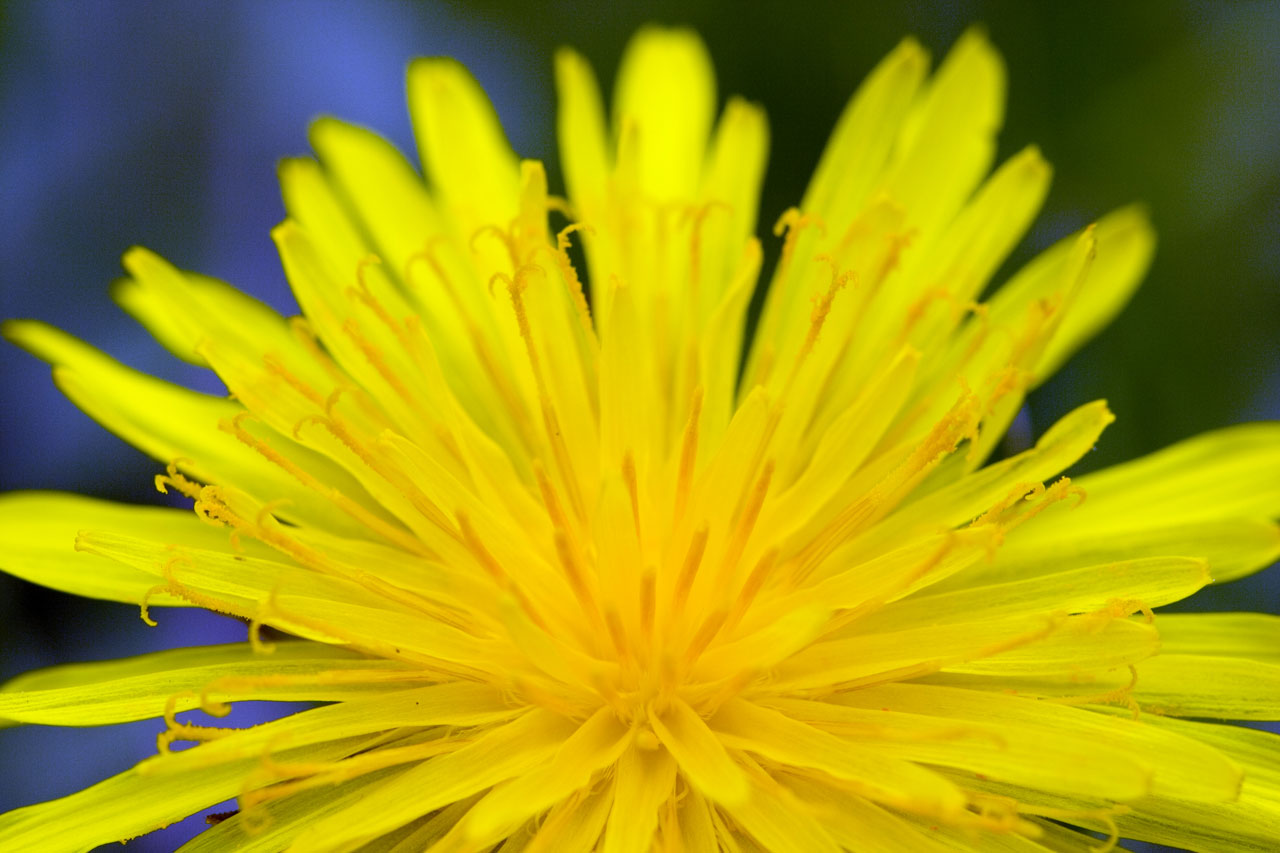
(778, 737)
(1251, 823)
(864, 135)
(1012, 646)
(1047, 752)
(1232, 548)
(597, 742)
(131, 804)
(1252, 636)
(1062, 445)
(464, 152)
(702, 759)
(1179, 765)
(731, 188)
(1126, 244)
(1232, 472)
(975, 244)
(170, 423)
(181, 309)
(574, 826)
(94, 694)
(666, 96)
(1077, 642)
(773, 818)
(450, 704)
(857, 822)
(489, 758)
(580, 126)
(1208, 686)
(642, 782)
(1154, 582)
(38, 533)
(963, 104)
(274, 824)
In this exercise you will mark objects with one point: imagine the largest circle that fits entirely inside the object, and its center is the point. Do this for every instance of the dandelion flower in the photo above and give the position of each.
(573, 572)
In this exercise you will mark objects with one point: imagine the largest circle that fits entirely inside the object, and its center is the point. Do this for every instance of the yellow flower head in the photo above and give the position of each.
(569, 572)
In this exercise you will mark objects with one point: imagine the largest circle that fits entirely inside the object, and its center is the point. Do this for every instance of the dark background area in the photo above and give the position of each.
(160, 124)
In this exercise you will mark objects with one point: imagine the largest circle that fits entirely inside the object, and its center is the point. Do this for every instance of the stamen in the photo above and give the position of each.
(942, 439)
(818, 315)
(303, 333)
(648, 600)
(261, 615)
(144, 607)
(792, 222)
(575, 574)
(751, 588)
(633, 489)
(550, 420)
(746, 523)
(491, 565)
(571, 278)
(176, 731)
(504, 237)
(276, 366)
(706, 633)
(307, 775)
(174, 478)
(377, 525)
(689, 569)
(688, 456)
(1119, 695)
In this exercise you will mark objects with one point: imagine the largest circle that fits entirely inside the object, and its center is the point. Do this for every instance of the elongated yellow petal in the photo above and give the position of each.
(1252, 822)
(131, 803)
(455, 704)
(1018, 750)
(665, 96)
(855, 822)
(643, 780)
(597, 743)
(126, 402)
(964, 104)
(1126, 244)
(1222, 474)
(1180, 766)
(182, 309)
(700, 756)
(464, 152)
(575, 825)
(1225, 688)
(1153, 582)
(38, 533)
(1232, 548)
(781, 738)
(580, 126)
(491, 757)
(1097, 638)
(275, 824)
(95, 694)
(1252, 636)
(864, 135)
(1063, 444)
(776, 821)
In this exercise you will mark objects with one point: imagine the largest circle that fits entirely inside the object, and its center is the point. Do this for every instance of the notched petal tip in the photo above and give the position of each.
(44, 341)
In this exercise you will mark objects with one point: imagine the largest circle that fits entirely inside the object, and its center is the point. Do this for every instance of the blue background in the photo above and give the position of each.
(161, 123)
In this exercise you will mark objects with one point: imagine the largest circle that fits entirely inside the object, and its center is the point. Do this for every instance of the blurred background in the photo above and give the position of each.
(128, 123)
